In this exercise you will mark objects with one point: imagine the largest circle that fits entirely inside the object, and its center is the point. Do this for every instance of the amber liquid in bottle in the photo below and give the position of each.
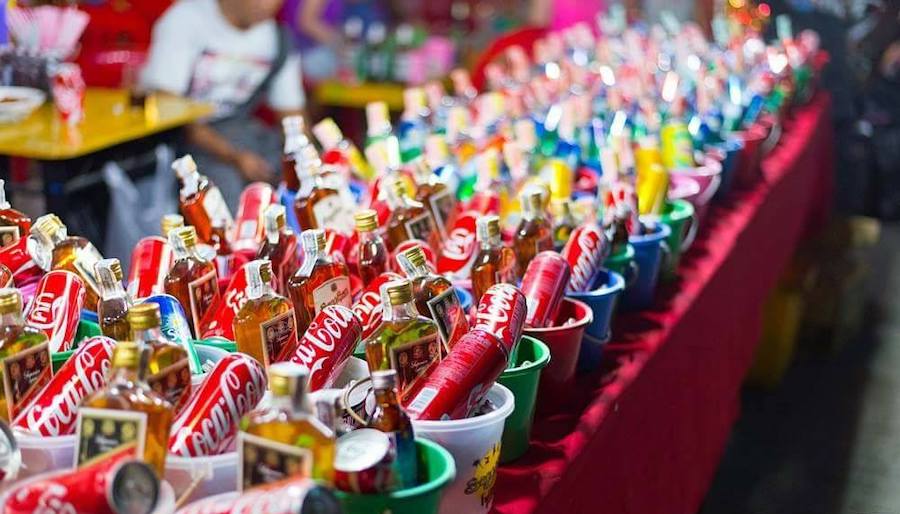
(279, 247)
(533, 234)
(308, 165)
(114, 301)
(323, 206)
(372, 255)
(24, 356)
(294, 140)
(435, 297)
(219, 242)
(318, 283)
(264, 327)
(285, 439)
(167, 368)
(409, 220)
(192, 280)
(200, 200)
(494, 263)
(130, 403)
(435, 196)
(390, 418)
(13, 224)
(70, 253)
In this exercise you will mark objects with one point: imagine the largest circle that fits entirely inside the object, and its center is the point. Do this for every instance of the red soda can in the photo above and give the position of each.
(17, 257)
(68, 92)
(208, 423)
(502, 312)
(248, 229)
(585, 252)
(337, 244)
(459, 248)
(458, 383)
(293, 495)
(544, 284)
(363, 462)
(56, 308)
(485, 203)
(54, 411)
(218, 319)
(368, 308)
(406, 245)
(151, 261)
(326, 345)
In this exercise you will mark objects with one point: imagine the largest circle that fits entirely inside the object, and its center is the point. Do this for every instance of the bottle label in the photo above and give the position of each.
(329, 212)
(247, 229)
(419, 227)
(172, 381)
(9, 236)
(101, 432)
(333, 292)
(25, 373)
(85, 258)
(277, 335)
(215, 206)
(442, 206)
(202, 293)
(264, 461)
(411, 360)
(448, 315)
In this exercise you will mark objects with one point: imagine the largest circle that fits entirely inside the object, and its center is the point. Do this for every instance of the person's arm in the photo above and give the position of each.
(250, 165)
(309, 19)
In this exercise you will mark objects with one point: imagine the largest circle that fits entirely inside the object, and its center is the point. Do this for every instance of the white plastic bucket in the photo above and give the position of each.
(41, 454)
(202, 476)
(475, 445)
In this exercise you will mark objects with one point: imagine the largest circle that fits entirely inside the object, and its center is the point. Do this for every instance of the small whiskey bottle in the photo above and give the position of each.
(324, 207)
(495, 262)
(166, 367)
(224, 258)
(286, 439)
(126, 415)
(279, 246)
(372, 257)
(70, 253)
(192, 279)
(434, 296)
(406, 341)
(169, 222)
(201, 201)
(264, 327)
(13, 224)
(318, 283)
(114, 301)
(533, 234)
(409, 219)
(390, 418)
(24, 356)
(563, 222)
(434, 195)
(339, 150)
(307, 165)
(294, 141)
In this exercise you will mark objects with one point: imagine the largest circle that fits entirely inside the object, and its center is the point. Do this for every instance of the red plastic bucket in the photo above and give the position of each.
(748, 171)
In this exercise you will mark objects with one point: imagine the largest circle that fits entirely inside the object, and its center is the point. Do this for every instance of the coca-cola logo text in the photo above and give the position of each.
(495, 310)
(588, 258)
(334, 326)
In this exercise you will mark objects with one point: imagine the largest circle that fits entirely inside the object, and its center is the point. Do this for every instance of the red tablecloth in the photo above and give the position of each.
(645, 435)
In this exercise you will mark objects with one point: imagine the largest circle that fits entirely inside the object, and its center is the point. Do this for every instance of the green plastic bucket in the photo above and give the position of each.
(436, 470)
(86, 330)
(623, 264)
(679, 216)
(522, 380)
(218, 342)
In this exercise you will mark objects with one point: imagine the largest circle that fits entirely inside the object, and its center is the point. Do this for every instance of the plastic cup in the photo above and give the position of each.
(436, 470)
(42, 454)
(203, 476)
(564, 341)
(649, 252)
(602, 302)
(86, 329)
(679, 216)
(474, 444)
(522, 379)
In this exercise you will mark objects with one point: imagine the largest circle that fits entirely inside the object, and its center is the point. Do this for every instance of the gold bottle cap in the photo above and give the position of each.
(487, 227)
(399, 292)
(113, 266)
(415, 256)
(47, 225)
(187, 235)
(286, 378)
(314, 240)
(144, 316)
(384, 379)
(274, 217)
(171, 221)
(366, 220)
(127, 354)
(10, 301)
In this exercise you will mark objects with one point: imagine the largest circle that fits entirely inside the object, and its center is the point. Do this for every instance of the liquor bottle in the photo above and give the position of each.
(114, 301)
(318, 283)
(69, 253)
(294, 141)
(434, 296)
(444, 166)
(533, 234)
(307, 165)
(323, 206)
(200, 200)
(495, 262)
(372, 256)
(264, 327)
(618, 231)
(413, 125)
(406, 341)
(24, 356)
(409, 219)
(124, 414)
(169, 222)
(339, 149)
(390, 418)
(224, 258)
(192, 279)
(378, 124)
(279, 246)
(285, 439)
(166, 368)
(464, 91)
(563, 222)
(435, 195)
(13, 224)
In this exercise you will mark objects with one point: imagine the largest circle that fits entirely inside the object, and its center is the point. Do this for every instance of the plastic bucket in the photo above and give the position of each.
(202, 476)
(436, 470)
(564, 341)
(522, 379)
(748, 171)
(86, 330)
(209, 356)
(731, 148)
(709, 176)
(474, 444)
(602, 302)
(679, 216)
(683, 187)
(42, 454)
(218, 342)
(623, 264)
(649, 252)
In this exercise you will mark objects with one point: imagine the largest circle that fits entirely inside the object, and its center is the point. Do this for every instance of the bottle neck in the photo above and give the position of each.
(273, 235)
(492, 242)
(406, 311)
(387, 398)
(111, 289)
(148, 335)
(414, 271)
(298, 404)
(58, 237)
(12, 319)
(190, 184)
(124, 374)
(257, 288)
(369, 236)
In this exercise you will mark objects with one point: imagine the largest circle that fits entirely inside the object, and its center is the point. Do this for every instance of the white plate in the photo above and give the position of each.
(16, 103)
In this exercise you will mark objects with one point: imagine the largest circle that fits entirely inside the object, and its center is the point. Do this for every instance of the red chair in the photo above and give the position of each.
(524, 37)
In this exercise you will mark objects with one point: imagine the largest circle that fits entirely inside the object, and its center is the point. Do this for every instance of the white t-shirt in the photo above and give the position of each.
(197, 53)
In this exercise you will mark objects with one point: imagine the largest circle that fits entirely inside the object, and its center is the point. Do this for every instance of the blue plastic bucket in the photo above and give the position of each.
(649, 251)
(602, 302)
(732, 148)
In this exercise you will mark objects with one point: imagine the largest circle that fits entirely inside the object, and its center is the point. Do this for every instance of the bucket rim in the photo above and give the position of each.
(209, 459)
(680, 206)
(614, 283)
(54, 440)
(660, 232)
(581, 323)
(455, 425)
(626, 256)
(538, 364)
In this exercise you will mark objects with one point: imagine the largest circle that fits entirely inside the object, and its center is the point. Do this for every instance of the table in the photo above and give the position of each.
(334, 93)
(645, 434)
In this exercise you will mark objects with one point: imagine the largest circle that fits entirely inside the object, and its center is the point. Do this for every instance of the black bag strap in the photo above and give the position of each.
(281, 56)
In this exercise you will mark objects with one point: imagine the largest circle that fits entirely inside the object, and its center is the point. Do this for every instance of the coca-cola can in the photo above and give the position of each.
(544, 284)
(459, 248)
(248, 229)
(218, 319)
(363, 462)
(407, 245)
(368, 308)
(326, 345)
(337, 244)
(54, 410)
(151, 261)
(502, 312)
(585, 252)
(293, 495)
(459, 382)
(18, 259)
(208, 423)
(68, 92)
(56, 307)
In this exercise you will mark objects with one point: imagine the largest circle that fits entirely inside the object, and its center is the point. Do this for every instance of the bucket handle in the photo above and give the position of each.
(666, 253)
(691, 232)
(345, 399)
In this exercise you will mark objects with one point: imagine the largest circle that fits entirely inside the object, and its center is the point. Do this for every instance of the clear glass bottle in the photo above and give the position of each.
(264, 327)
(14, 224)
(125, 413)
(279, 246)
(390, 418)
(409, 219)
(294, 129)
(434, 296)
(372, 257)
(319, 282)
(70, 253)
(286, 438)
(114, 301)
(166, 367)
(406, 341)
(200, 200)
(495, 262)
(533, 234)
(169, 222)
(192, 279)
(25, 364)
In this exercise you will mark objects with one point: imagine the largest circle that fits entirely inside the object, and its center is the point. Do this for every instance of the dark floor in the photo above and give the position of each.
(827, 441)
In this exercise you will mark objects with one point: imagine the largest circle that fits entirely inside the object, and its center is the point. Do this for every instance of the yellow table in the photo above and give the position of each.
(355, 96)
